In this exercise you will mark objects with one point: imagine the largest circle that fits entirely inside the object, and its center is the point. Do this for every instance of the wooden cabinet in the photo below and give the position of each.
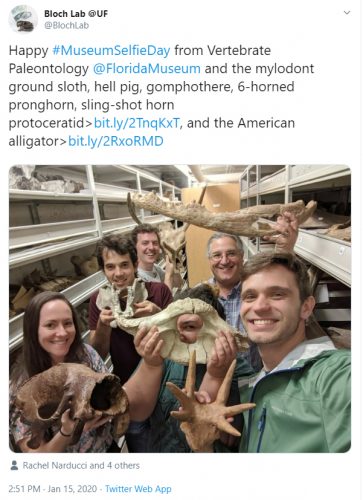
(217, 198)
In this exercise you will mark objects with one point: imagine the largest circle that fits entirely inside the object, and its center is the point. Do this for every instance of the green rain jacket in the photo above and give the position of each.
(303, 405)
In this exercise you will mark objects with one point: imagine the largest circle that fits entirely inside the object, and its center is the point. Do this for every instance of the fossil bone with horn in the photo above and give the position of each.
(244, 222)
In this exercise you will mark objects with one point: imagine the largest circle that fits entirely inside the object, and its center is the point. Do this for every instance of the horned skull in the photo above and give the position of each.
(203, 423)
(167, 323)
(46, 396)
(173, 242)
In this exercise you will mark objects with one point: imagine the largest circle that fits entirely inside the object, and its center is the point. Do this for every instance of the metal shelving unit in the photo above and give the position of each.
(36, 241)
(331, 255)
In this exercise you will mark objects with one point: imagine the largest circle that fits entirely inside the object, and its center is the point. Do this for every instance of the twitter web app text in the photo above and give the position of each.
(160, 83)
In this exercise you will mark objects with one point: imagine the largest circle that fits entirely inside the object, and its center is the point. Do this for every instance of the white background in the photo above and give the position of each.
(326, 108)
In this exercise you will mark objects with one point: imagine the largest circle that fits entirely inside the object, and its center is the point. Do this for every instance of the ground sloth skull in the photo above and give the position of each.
(88, 394)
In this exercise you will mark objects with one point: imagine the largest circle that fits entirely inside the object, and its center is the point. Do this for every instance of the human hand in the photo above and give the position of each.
(68, 424)
(224, 352)
(106, 317)
(288, 227)
(148, 344)
(145, 308)
(95, 422)
(169, 266)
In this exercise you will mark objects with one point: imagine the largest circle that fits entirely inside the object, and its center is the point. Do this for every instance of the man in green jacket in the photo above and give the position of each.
(302, 394)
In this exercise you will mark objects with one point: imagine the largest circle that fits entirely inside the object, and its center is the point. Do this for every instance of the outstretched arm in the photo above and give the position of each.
(143, 387)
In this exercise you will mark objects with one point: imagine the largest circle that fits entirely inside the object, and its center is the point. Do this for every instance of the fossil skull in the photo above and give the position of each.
(243, 222)
(167, 323)
(46, 396)
(203, 423)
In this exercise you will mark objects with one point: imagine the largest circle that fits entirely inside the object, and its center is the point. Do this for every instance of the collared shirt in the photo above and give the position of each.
(232, 305)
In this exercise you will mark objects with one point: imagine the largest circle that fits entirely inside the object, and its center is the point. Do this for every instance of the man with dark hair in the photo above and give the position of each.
(302, 394)
(146, 239)
(118, 259)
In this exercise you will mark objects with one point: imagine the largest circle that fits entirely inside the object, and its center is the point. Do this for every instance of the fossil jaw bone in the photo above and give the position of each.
(166, 321)
(241, 222)
(88, 394)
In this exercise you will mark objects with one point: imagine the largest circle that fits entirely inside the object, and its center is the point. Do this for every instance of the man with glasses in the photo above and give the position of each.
(225, 254)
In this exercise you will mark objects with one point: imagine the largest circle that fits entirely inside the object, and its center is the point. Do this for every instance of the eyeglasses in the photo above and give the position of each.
(230, 254)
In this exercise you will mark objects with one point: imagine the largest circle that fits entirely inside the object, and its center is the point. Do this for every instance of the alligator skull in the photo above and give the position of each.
(167, 323)
(46, 396)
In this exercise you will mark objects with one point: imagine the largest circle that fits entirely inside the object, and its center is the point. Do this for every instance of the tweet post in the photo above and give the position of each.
(132, 133)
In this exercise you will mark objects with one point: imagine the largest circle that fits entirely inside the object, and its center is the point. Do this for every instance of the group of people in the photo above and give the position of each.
(301, 388)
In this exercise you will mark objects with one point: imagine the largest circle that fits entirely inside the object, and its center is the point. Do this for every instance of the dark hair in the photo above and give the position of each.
(218, 236)
(144, 228)
(205, 292)
(264, 260)
(119, 244)
(35, 358)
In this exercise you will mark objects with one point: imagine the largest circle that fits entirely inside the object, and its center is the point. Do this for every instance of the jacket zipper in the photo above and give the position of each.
(262, 421)
(261, 427)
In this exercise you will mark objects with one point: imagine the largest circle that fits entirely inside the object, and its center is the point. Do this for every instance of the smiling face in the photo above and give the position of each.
(225, 261)
(272, 311)
(119, 269)
(56, 331)
(148, 250)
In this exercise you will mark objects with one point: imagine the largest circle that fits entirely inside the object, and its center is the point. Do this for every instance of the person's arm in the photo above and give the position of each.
(143, 386)
(223, 354)
(63, 437)
(100, 337)
(169, 274)
(334, 386)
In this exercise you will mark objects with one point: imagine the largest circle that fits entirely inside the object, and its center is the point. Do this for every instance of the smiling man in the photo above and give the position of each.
(146, 239)
(225, 254)
(118, 259)
(302, 394)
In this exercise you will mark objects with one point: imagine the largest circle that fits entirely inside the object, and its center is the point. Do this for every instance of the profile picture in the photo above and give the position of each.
(23, 18)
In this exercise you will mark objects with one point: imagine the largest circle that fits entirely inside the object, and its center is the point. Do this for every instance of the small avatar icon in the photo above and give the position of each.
(23, 18)
(14, 465)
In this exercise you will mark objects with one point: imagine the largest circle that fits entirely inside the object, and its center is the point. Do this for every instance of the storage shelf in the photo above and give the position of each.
(34, 242)
(301, 175)
(269, 184)
(329, 254)
(25, 236)
(35, 254)
(76, 294)
(295, 176)
(23, 194)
